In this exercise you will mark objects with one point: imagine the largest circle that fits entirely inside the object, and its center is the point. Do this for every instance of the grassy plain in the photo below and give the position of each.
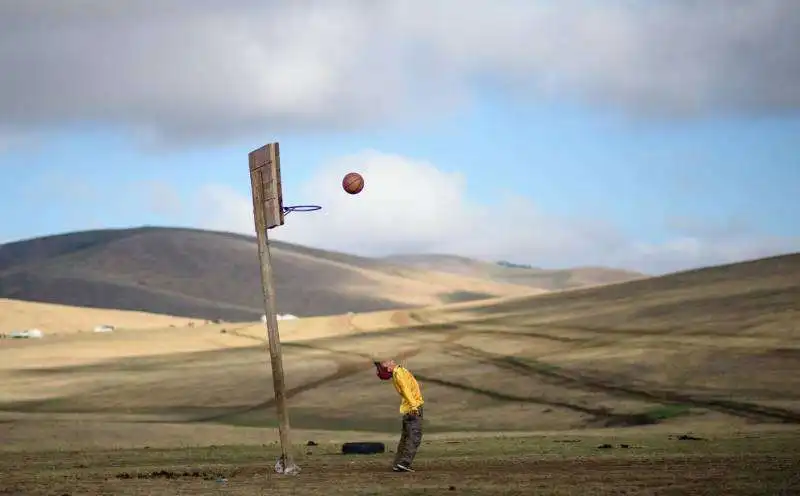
(567, 464)
(540, 382)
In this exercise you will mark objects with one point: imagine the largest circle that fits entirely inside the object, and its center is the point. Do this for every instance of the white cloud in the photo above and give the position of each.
(222, 208)
(691, 252)
(181, 69)
(411, 206)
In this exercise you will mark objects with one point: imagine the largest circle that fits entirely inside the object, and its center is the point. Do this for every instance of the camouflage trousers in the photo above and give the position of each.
(410, 439)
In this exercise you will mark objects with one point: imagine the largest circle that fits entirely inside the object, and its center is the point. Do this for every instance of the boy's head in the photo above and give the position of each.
(385, 369)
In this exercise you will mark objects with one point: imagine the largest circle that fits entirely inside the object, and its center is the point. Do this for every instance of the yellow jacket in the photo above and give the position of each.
(407, 386)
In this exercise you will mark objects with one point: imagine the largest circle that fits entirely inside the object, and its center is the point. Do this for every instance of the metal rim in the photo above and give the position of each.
(301, 208)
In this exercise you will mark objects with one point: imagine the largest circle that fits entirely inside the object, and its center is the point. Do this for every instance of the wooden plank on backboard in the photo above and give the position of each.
(265, 177)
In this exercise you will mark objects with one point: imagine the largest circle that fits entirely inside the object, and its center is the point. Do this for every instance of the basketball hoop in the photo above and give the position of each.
(301, 208)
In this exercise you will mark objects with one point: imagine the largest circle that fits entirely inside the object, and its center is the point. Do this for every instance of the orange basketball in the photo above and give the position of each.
(353, 183)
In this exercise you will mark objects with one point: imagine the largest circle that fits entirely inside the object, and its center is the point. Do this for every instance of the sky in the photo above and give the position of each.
(653, 136)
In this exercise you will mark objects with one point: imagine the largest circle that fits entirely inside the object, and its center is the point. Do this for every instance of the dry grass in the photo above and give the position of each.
(62, 319)
(633, 464)
(714, 352)
(407, 286)
(550, 280)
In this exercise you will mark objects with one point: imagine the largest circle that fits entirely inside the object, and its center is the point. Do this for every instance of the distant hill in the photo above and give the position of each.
(702, 351)
(507, 272)
(203, 274)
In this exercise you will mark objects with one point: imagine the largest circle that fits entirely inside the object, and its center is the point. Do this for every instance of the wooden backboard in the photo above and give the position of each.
(265, 179)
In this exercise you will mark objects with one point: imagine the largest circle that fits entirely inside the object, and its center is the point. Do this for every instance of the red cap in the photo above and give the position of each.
(383, 373)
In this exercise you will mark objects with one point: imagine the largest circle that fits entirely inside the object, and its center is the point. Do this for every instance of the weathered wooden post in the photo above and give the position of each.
(268, 213)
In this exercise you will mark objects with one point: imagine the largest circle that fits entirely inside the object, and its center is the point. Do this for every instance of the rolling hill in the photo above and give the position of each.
(547, 279)
(211, 275)
(711, 350)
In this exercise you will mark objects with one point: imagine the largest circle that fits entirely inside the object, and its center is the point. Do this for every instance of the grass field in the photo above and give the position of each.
(62, 319)
(616, 463)
(715, 353)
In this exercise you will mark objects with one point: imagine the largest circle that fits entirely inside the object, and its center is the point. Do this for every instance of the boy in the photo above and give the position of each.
(411, 409)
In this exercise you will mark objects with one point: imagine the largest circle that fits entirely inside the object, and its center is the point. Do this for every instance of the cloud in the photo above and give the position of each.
(685, 253)
(187, 70)
(411, 206)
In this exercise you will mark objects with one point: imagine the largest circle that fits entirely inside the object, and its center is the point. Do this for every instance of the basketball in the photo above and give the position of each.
(353, 183)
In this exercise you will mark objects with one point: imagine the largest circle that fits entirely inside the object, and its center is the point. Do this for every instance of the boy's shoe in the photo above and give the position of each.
(401, 468)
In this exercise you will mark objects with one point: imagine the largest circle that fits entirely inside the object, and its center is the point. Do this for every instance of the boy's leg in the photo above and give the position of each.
(412, 432)
(401, 446)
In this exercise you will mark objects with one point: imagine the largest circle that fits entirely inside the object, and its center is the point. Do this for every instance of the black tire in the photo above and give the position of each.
(363, 448)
